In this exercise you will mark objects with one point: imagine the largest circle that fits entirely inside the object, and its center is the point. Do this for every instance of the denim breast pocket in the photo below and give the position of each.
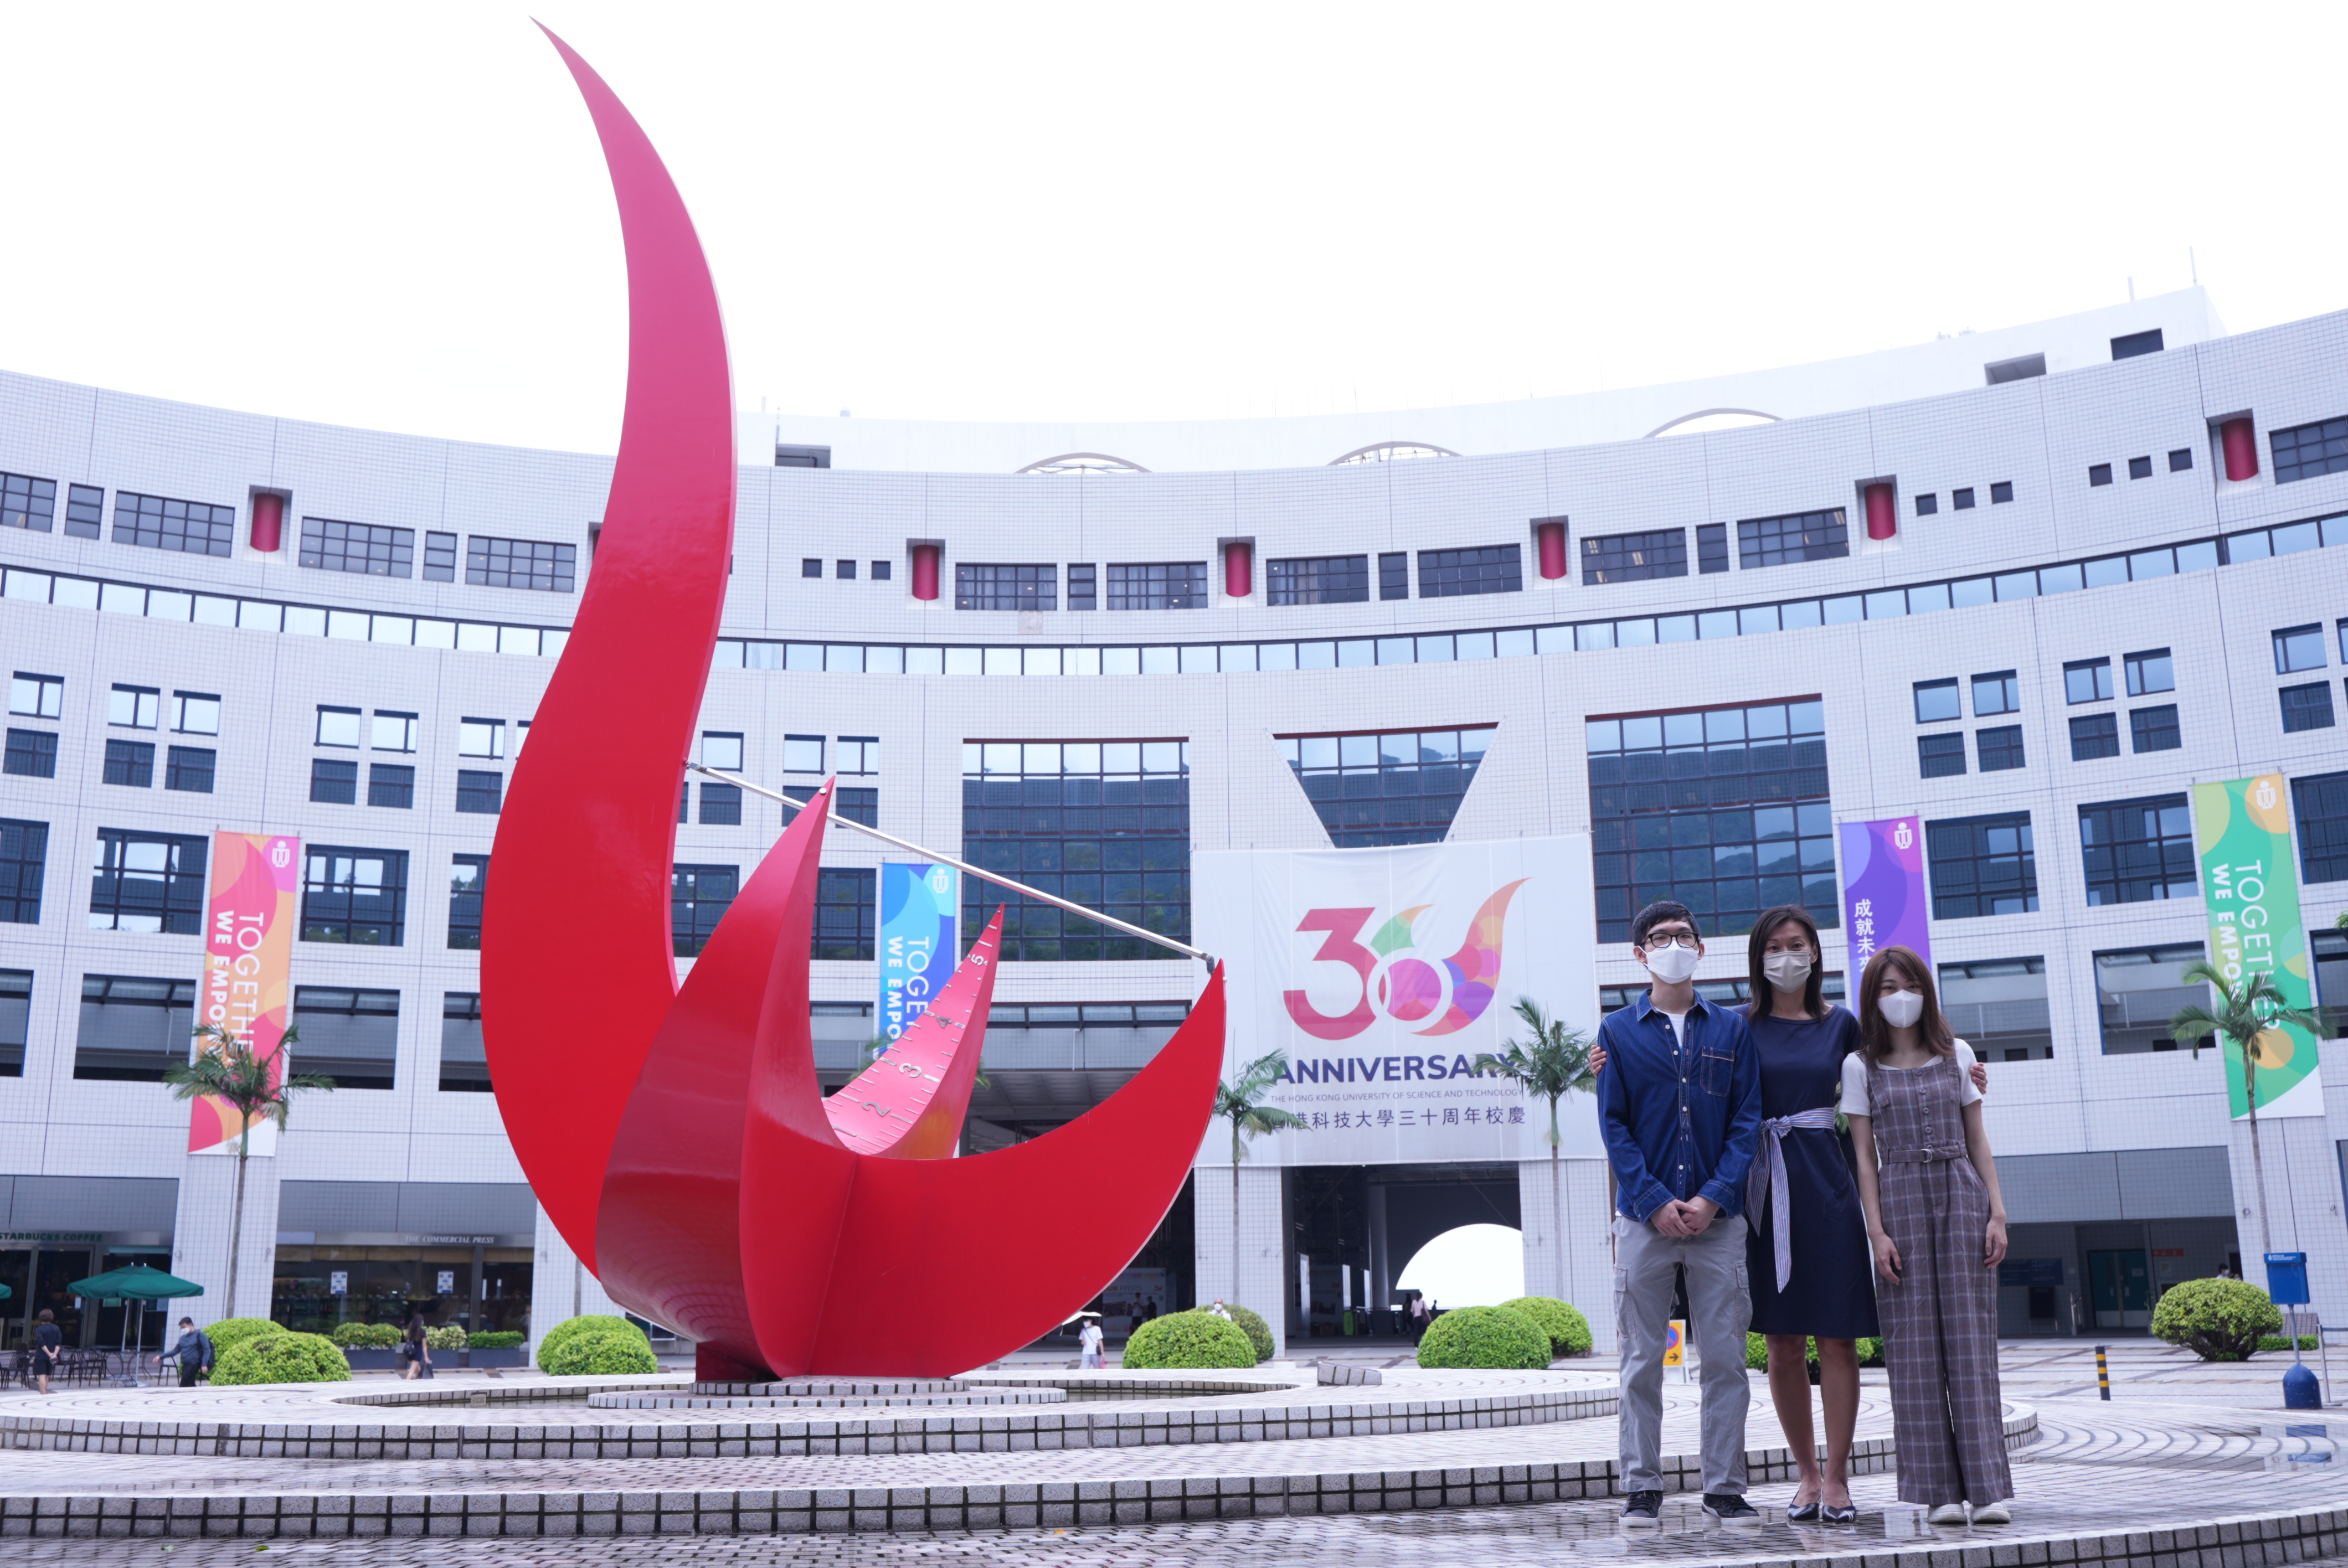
(1714, 1071)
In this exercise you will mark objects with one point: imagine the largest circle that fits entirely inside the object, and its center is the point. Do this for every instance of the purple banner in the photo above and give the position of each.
(1883, 899)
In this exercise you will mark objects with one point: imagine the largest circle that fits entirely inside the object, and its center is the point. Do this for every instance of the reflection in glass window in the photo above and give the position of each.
(469, 880)
(1388, 787)
(699, 896)
(2139, 989)
(355, 896)
(1981, 865)
(148, 882)
(1104, 824)
(2138, 850)
(1999, 1006)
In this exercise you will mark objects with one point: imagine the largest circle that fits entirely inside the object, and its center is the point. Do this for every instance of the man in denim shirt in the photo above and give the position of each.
(1679, 1103)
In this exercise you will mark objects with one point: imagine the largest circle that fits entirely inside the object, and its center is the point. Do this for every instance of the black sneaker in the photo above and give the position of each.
(1730, 1508)
(1644, 1508)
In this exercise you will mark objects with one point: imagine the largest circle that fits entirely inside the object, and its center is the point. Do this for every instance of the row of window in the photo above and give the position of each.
(2180, 462)
(843, 569)
(277, 616)
(1961, 499)
(34, 696)
(1182, 585)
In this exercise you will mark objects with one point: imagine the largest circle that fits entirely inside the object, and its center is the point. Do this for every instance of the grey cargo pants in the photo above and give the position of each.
(1720, 1305)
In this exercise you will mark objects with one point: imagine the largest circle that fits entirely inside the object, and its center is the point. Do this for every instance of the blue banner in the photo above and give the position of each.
(920, 907)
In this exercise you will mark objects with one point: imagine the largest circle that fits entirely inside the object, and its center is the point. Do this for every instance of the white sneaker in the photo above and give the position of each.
(1947, 1513)
(1995, 1513)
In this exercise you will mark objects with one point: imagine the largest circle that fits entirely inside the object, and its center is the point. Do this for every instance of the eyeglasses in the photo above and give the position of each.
(1671, 939)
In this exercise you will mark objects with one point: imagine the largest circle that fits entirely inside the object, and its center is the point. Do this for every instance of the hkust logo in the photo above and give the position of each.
(1392, 979)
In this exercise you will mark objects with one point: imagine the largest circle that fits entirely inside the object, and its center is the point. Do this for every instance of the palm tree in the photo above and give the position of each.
(1243, 1101)
(2245, 1013)
(1552, 1064)
(226, 1070)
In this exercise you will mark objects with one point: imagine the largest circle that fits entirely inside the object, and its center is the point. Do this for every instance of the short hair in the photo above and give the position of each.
(187, 1323)
(46, 1316)
(1655, 913)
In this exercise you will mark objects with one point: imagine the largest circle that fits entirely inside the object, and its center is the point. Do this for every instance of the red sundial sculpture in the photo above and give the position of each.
(675, 1135)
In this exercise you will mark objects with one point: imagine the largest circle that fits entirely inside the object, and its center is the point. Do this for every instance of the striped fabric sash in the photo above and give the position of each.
(1767, 1180)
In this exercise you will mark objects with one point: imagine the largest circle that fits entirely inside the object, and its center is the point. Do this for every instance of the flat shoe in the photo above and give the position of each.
(1947, 1513)
(1801, 1513)
(1995, 1513)
(1846, 1514)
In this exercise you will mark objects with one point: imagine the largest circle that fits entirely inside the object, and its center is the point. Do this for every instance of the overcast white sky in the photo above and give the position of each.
(397, 215)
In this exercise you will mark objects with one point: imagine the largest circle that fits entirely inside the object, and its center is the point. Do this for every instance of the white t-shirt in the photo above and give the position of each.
(1854, 1081)
(1679, 1027)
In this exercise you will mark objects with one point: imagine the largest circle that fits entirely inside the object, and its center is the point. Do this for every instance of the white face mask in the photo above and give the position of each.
(1902, 1008)
(1673, 964)
(1787, 970)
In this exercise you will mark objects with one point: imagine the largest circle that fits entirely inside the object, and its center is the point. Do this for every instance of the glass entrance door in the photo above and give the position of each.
(2120, 1287)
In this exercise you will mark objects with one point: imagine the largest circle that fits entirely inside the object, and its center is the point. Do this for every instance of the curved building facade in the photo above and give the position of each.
(2032, 611)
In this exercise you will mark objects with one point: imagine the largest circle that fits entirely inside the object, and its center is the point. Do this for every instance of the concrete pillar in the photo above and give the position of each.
(2303, 1201)
(560, 1285)
(1568, 1251)
(199, 1232)
(1261, 1281)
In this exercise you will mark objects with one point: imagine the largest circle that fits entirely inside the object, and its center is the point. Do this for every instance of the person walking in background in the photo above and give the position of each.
(413, 1352)
(1219, 1310)
(1680, 1108)
(1090, 1341)
(1936, 1221)
(49, 1343)
(193, 1350)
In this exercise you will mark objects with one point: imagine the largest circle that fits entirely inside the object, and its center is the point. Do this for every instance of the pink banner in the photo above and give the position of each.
(248, 959)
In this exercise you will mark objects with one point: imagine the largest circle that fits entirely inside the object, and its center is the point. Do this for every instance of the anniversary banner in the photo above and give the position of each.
(920, 912)
(2250, 884)
(248, 960)
(1383, 974)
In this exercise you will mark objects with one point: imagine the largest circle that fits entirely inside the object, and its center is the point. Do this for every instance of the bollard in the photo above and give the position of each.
(2103, 1374)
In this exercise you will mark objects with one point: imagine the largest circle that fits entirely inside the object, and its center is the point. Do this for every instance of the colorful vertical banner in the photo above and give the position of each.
(920, 914)
(248, 959)
(2250, 884)
(1884, 904)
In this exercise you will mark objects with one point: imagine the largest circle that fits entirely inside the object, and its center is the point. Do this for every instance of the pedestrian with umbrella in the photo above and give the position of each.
(142, 1285)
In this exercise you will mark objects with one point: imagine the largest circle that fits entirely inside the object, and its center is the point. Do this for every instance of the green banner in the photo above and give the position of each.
(2249, 882)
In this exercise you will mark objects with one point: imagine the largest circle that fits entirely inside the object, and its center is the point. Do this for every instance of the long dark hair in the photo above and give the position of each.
(1902, 964)
(1765, 995)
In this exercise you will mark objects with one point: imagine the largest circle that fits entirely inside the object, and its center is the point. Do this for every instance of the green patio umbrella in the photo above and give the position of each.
(137, 1283)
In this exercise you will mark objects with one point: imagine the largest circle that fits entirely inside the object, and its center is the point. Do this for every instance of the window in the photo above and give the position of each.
(2309, 451)
(24, 854)
(1998, 1005)
(162, 524)
(2136, 344)
(2139, 467)
(811, 565)
(844, 915)
(794, 456)
(1725, 993)
(133, 1028)
(394, 731)
(857, 754)
(2138, 850)
(352, 1036)
(722, 748)
(1083, 585)
(391, 784)
(1802, 537)
(1635, 557)
(2020, 368)
(2001, 492)
(141, 707)
(1394, 574)
(1724, 810)
(2000, 748)
(1981, 865)
(189, 769)
(1157, 585)
(699, 896)
(33, 754)
(2296, 648)
(844, 571)
(1106, 823)
(2149, 671)
(721, 806)
(1386, 788)
(36, 696)
(851, 805)
(1318, 579)
(803, 753)
(2099, 474)
(357, 547)
(148, 882)
(440, 558)
(464, 1060)
(2000, 692)
(334, 782)
(2087, 680)
(481, 738)
(2329, 949)
(355, 896)
(85, 506)
(28, 502)
(481, 791)
(880, 573)
(1937, 701)
(2181, 460)
(1941, 756)
(1928, 505)
(1452, 574)
(1711, 548)
(16, 1019)
(2155, 729)
(195, 713)
(2303, 708)
(130, 762)
(338, 726)
(2094, 736)
(980, 586)
(2139, 989)
(519, 563)
(469, 880)
(1961, 500)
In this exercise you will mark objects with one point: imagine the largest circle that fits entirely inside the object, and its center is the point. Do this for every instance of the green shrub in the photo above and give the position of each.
(446, 1336)
(1253, 1325)
(232, 1331)
(2283, 1342)
(1484, 1337)
(365, 1335)
(497, 1339)
(1757, 1351)
(284, 1356)
(2217, 1320)
(596, 1345)
(1194, 1339)
(1870, 1352)
(572, 1328)
(1568, 1329)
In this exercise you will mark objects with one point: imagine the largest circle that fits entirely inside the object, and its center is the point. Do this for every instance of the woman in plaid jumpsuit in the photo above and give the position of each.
(1937, 1223)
